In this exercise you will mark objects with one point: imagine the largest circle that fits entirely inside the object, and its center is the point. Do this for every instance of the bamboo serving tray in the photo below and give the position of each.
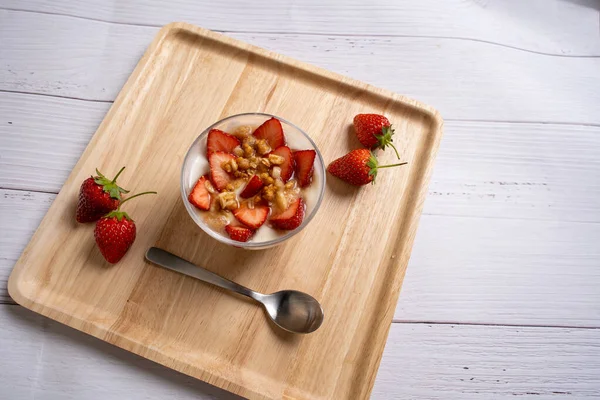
(351, 257)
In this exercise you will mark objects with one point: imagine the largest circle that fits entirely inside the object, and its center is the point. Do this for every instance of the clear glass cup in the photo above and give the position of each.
(195, 165)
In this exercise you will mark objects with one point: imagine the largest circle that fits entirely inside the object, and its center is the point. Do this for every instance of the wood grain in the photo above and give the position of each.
(541, 25)
(187, 79)
(420, 361)
(520, 86)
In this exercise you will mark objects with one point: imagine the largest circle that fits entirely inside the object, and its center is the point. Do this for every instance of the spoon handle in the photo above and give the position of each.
(177, 264)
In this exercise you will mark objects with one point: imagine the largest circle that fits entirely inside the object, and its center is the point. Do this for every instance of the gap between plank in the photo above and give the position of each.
(491, 121)
(508, 325)
(26, 190)
(459, 38)
(55, 95)
(497, 121)
(408, 322)
(497, 217)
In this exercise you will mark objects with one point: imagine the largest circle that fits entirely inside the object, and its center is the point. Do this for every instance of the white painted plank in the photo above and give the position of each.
(441, 362)
(476, 270)
(552, 26)
(463, 79)
(506, 271)
(517, 171)
(43, 359)
(67, 56)
(20, 215)
(505, 170)
(41, 139)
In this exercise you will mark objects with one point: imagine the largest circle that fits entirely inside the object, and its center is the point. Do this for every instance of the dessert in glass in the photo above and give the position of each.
(252, 180)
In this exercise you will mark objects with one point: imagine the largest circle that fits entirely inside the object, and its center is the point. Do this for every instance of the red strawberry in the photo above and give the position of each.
(239, 233)
(305, 160)
(220, 141)
(358, 167)
(199, 196)
(272, 132)
(287, 168)
(251, 217)
(98, 196)
(252, 188)
(290, 218)
(219, 177)
(115, 233)
(374, 131)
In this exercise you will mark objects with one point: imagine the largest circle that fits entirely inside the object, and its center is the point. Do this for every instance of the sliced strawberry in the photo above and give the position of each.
(219, 177)
(199, 196)
(239, 233)
(251, 217)
(272, 132)
(220, 141)
(290, 218)
(287, 168)
(252, 188)
(305, 160)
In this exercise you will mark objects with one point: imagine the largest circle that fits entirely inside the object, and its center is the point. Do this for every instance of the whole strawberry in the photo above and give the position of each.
(358, 167)
(374, 131)
(98, 195)
(115, 233)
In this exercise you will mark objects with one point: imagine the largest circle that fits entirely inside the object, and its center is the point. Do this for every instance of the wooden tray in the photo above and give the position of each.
(351, 257)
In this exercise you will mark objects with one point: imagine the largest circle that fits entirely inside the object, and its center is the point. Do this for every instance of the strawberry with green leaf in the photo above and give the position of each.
(374, 131)
(358, 167)
(115, 232)
(98, 195)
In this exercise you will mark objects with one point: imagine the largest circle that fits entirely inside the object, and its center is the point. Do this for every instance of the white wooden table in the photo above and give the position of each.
(502, 295)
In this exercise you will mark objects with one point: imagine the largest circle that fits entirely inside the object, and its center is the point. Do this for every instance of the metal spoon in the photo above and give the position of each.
(291, 310)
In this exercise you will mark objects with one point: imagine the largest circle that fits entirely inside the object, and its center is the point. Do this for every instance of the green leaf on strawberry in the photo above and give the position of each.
(385, 139)
(110, 186)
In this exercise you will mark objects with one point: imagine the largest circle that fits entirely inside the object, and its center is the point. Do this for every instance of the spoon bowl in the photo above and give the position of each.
(294, 311)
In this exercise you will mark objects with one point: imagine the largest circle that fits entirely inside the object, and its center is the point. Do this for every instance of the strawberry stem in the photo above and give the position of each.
(374, 166)
(134, 196)
(395, 150)
(118, 214)
(391, 165)
(121, 170)
(385, 139)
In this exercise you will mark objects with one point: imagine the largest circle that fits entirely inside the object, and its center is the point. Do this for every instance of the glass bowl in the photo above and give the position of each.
(195, 164)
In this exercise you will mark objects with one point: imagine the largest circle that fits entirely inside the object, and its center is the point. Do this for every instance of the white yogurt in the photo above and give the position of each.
(310, 194)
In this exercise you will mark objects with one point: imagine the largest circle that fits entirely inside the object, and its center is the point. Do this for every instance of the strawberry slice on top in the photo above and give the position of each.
(251, 217)
(291, 218)
(199, 196)
(305, 160)
(239, 233)
(271, 131)
(252, 188)
(219, 177)
(287, 168)
(220, 141)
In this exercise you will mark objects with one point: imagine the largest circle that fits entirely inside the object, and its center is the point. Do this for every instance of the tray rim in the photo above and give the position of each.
(128, 344)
